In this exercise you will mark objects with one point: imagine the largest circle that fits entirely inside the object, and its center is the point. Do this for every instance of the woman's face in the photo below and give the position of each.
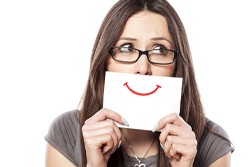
(144, 31)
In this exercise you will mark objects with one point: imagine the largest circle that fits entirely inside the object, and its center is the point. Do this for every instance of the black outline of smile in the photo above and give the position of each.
(141, 94)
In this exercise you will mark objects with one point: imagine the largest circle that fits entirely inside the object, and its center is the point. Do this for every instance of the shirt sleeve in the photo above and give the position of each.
(214, 144)
(62, 135)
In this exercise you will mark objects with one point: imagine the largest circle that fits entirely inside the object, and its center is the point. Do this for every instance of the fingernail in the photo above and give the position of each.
(125, 121)
(119, 144)
(162, 146)
(113, 151)
(155, 127)
(104, 151)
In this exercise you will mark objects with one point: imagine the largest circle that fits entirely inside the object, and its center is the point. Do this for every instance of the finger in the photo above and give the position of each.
(182, 140)
(108, 147)
(173, 118)
(173, 152)
(98, 125)
(170, 129)
(174, 130)
(104, 114)
(101, 132)
(169, 152)
(102, 124)
(117, 132)
(102, 143)
(166, 147)
(186, 151)
(165, 132)
(177, 157)
(176, 140)
(102, 128)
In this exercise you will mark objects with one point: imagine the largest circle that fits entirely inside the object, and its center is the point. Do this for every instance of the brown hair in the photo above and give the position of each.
(109, 33)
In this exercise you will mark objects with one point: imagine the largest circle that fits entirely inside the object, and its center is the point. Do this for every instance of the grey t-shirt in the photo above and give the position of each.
(64, 135)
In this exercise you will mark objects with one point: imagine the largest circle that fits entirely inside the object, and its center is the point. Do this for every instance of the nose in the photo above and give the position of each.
(143, 66)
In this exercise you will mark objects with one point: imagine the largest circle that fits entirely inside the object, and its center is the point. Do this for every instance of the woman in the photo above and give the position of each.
(142, 30)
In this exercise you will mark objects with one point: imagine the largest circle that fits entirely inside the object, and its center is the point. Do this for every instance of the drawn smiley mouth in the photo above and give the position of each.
(141, 94)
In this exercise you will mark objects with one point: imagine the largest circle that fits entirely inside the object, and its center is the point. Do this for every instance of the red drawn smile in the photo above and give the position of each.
(142, 94)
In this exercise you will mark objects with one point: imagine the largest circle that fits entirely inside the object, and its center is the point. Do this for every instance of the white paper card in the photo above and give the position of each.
(142, 100)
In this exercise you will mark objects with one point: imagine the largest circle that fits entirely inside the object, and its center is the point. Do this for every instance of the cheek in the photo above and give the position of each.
(115, 66)
(164, 70)
(111, 64)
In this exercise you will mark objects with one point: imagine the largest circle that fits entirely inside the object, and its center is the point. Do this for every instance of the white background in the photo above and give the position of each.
(44, 58)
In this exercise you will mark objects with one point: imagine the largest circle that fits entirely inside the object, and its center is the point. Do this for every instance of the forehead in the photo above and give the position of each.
(147, 15)
(146, 23)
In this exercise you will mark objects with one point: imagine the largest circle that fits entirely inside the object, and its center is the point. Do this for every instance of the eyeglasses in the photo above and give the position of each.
(155, 56)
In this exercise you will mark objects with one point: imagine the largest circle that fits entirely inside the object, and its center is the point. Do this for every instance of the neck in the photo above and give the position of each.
(140, 141)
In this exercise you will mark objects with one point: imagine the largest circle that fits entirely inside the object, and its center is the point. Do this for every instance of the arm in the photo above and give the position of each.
(55, 158)
(224, 161)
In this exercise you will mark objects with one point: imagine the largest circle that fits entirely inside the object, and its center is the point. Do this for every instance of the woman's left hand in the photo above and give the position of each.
(177, 140)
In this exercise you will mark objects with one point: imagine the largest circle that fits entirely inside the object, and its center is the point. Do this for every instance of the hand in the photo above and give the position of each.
(101, 137)
(177, 140)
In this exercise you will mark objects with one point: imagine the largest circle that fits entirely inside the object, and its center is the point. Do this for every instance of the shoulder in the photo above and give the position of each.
(65, 123)
(62, 134)
(216, 129)
(68, 118)
(214, 144)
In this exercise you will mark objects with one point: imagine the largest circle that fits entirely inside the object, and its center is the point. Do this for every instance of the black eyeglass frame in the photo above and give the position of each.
(145, 52)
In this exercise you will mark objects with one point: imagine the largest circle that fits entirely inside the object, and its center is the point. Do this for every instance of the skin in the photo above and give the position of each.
(144, 31)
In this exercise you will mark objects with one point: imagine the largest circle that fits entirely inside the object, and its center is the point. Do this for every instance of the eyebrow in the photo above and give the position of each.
(127, 38)
(161, 39)
(152, 39)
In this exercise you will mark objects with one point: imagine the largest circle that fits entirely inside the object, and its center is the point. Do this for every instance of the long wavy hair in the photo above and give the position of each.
(111, 28)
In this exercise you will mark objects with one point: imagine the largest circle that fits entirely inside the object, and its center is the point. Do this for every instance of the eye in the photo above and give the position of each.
(159, 49)
(126, 48)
